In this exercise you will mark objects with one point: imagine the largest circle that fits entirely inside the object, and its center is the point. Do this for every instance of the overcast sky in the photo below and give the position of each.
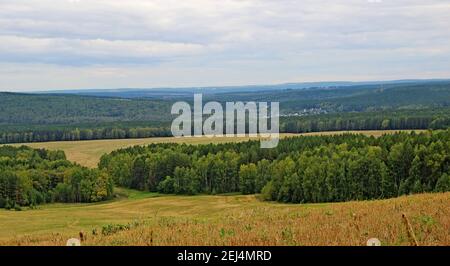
(81, 44)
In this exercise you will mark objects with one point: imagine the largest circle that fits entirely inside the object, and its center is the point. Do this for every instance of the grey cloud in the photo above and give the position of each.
(284, 39)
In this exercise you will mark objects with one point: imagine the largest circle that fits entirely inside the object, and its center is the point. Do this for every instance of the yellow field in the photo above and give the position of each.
(231, 220)
(88, 153)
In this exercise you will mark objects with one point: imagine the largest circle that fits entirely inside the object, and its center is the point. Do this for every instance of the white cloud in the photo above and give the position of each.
(172, 42)
(93, 51)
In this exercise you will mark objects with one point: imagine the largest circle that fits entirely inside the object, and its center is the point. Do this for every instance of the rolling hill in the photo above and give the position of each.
(32, 109)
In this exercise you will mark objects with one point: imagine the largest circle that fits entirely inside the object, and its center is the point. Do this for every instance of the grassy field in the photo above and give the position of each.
(88, 153)
(139, 218)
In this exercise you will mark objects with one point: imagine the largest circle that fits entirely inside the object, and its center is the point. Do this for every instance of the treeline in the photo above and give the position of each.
(391, 120)
(29, 177)
(300, 169)
(82, 134)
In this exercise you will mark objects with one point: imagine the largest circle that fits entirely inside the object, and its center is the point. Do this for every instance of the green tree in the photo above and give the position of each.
(443, 184)
(248, 174)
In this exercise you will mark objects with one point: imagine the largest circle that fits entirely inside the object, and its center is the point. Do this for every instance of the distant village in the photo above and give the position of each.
(305, 112)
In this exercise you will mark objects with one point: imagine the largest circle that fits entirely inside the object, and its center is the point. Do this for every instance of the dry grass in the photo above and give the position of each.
(233, 220)
(88, 153)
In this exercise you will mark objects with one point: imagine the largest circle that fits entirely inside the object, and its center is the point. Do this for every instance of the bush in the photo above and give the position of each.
(267, 191)
(167, 185)
(8, 204)
(443, 184)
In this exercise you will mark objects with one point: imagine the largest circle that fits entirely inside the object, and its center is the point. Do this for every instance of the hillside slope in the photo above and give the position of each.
(145, 219)
(32, 109)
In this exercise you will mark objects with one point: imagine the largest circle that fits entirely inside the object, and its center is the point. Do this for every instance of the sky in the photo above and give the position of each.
(87, 44)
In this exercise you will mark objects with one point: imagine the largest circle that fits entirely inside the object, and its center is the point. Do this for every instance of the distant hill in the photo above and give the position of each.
(18, 108)
(69, 109)
(171, 93)
(355, 98)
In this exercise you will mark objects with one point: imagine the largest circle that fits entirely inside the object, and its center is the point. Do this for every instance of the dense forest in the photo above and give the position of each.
(62, 117)
(301, 169)
(29, 177)
(438, 118)
(386, 120)
(35, 109)
(360, 98)
(68, 133)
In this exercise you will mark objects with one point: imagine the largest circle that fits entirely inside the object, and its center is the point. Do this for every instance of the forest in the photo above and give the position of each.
(387, 120)
(29, 177)
(61, 133)
(438, 118)
(68, 109)
(50, 109)
(360, 98)
(62, 117)
(300, 170)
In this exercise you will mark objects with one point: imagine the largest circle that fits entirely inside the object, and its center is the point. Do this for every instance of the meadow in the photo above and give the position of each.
(142, 218)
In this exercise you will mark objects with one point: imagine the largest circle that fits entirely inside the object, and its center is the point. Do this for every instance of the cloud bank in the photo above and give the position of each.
(58, 44)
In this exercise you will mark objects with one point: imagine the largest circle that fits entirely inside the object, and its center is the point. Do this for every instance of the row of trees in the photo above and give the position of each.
(301, 169)
(29, 177)
(392, 120)
(82, 134)
(365, 121)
